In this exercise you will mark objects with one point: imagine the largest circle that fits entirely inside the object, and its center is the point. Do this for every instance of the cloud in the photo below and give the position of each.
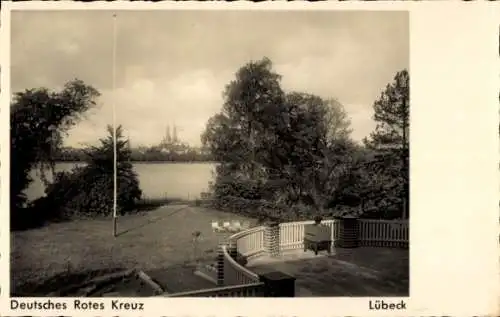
(68, 48)
(145, 107)
(361, 121)
(172, 67)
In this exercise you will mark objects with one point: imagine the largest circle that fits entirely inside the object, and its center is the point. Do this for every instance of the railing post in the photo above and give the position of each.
(272, 239)
(348, 233)
(220, 266)
(232, 248)
(278, 284)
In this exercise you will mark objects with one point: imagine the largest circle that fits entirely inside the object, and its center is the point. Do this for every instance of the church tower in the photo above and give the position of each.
(168, 138)
(128, 141)
(174, 138)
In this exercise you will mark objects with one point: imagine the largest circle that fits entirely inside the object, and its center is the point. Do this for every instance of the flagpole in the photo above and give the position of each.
(114, 129)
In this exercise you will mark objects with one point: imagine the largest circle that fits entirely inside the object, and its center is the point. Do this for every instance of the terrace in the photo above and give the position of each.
(368, 258)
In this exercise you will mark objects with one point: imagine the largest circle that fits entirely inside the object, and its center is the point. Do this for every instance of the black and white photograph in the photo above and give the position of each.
(209, 153)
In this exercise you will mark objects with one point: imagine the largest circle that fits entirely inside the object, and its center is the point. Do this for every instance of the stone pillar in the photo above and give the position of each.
(220, 266)
(222, 237)
(272, 239)
(232, 248)
(348, 234)
(278, 284)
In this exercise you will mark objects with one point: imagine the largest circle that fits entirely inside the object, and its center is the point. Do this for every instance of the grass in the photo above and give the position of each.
(50, 257)
(151, 203)
(160, 242)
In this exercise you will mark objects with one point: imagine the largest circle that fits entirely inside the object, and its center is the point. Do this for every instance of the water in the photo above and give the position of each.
(157, 180)
(177, 180)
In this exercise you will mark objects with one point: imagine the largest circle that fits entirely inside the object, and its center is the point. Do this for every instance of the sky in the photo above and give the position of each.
(172, 66)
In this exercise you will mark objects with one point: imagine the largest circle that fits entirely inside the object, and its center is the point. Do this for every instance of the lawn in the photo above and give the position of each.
(50, 257)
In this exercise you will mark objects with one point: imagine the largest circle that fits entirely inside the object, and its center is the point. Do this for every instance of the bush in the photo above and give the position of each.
(88, 191)
(264, 210)
(318, 219)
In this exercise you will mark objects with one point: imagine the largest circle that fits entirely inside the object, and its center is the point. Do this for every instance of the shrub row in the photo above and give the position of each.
(270, 211)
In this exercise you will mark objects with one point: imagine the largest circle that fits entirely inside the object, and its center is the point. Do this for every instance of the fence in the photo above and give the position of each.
(384, 233)
(291, 234)
(250, 243)
(248, 290)
(234, 273)
(238, 281)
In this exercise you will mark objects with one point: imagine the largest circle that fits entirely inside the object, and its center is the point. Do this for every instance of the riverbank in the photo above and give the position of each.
(148, 162)
(156, 180)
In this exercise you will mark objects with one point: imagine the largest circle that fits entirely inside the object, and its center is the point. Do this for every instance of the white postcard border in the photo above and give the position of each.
(455, 82)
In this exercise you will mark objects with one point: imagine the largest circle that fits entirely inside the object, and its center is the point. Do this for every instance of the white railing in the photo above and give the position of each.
(236, 274)
(248, 290)
(292, 233)
(383, 232)
(250, 243)
(241, 282)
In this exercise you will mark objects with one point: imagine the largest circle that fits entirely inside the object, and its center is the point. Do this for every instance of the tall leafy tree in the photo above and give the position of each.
(390, 140)
(320, 131)
(239, 134)
(39, 120)
(253, 104)
(274, 145)
(305, 142)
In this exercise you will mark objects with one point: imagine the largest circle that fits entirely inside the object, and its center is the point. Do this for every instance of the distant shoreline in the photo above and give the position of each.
(149, 162)
(174, 162)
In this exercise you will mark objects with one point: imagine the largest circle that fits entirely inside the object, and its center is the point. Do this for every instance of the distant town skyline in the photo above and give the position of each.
(172, 66)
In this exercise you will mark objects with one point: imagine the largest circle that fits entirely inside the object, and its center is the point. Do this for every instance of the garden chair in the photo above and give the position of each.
(317, 237)
(216, 226)
(236, 227)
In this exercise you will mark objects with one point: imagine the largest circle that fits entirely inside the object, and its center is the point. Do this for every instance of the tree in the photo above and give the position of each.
(307, 157)
(237, 135)
(253, 104)
(38, 122)
(390, 140)
(274, 145)
(101, 158)
(392, 111)
(88, 190)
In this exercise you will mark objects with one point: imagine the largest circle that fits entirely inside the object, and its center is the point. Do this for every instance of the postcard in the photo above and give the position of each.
(249, 159)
